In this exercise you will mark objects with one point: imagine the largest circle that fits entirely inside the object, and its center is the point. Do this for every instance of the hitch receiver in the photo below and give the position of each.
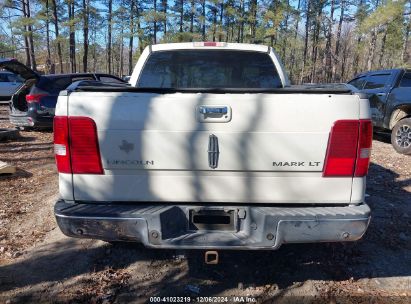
(211, 257)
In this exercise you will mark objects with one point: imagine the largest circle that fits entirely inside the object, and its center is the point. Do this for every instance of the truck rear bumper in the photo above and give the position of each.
(211, 227)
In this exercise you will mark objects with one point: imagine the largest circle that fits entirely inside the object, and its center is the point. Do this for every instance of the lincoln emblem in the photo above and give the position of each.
(213, 151)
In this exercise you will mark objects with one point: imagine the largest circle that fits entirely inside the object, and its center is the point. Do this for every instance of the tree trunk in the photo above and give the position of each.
(239, 23)
(356, 57)
(242, 21)
(30, 38)
(48, 59)
(405, 55)
(307, 32)
(93, 37)
(181, 15)
(155, 22)
(382, 50)
(337, 42)
(287, 16)
(344, 62)
(328, 51)
(72, 37)
(85, 33)
(56, 30)
(232, 33)
(139, 34)
(316, 36)
(373, 45)
(253, 23)
(131, 38)
(164, 4)
(110, 12)
(357, 53)
(192, 8)
(214, 9)
(220, 35)
(121, 53)
(295, 39)
(204, 20)
(26, 38)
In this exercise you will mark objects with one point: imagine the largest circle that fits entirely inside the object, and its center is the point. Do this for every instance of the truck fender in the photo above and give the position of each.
(398, 114)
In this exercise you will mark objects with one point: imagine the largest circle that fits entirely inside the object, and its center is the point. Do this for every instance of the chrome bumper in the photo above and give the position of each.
(25, 120)
(21, 120)
(168, 226)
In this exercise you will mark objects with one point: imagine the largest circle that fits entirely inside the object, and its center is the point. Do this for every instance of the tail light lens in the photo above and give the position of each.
(364, 148)
(34, 97)
(78, 152)
(61, 144)
(84, 149)
(349, 146)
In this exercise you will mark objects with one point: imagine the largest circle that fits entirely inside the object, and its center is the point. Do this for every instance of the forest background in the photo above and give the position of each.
(317, 40)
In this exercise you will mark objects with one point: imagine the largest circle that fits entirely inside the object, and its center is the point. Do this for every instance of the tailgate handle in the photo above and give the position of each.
(213, 110)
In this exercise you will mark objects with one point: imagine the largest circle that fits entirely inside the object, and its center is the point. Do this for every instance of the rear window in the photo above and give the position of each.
(406, 80)
(186, 69)
(358, 82)
(108, 79)
(4, 78)
(377, 81)
(54, 84)
(8, 77)
(80, 78)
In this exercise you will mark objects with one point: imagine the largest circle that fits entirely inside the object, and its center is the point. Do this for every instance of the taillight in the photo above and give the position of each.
(61, 144)
(364, 148)
(34, 97)
(84, 149)
(348, 152)
(80, 147)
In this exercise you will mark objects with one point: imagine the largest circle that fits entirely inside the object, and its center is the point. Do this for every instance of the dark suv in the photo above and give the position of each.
(33, 105)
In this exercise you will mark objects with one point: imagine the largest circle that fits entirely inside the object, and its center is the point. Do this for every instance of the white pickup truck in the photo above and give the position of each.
(211, 148)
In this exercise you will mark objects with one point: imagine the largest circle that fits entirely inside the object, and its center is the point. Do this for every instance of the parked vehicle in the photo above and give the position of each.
(211, 148)
(9, 84)
(389, 92)
(33, 105)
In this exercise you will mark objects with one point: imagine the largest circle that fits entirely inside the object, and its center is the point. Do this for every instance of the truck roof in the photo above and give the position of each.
(382, 71)
(210, 45)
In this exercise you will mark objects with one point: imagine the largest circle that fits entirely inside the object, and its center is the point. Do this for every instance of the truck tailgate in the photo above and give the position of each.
(203, 147)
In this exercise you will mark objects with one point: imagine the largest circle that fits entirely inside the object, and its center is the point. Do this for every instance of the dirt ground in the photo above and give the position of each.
(39, 264)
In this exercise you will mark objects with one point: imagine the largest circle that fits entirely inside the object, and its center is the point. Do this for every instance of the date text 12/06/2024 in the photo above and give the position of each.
(199, 299)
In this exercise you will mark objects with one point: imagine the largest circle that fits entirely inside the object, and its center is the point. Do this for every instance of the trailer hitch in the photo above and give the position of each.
(211, 257)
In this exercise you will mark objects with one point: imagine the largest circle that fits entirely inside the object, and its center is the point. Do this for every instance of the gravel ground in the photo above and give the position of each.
(39, 264)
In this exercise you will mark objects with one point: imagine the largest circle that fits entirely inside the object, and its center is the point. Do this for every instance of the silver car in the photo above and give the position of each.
(9, 83)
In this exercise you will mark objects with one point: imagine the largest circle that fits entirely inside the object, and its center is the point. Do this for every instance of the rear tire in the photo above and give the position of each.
(401, 136)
